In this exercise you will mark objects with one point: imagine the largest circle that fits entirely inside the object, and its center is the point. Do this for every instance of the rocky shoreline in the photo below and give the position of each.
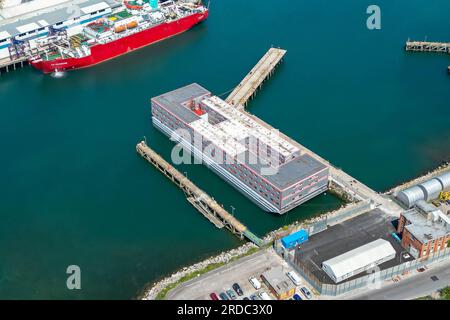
(223, 258)
(151, 292)
(445, 166)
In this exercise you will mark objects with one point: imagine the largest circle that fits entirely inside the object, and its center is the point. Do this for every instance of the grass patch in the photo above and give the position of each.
(163, 293)
(445, 293)
(425, 298)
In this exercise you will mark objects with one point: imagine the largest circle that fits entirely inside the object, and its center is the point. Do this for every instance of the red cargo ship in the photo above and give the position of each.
(117, 34)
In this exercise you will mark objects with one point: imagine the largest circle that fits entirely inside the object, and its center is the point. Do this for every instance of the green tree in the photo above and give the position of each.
(445, 293)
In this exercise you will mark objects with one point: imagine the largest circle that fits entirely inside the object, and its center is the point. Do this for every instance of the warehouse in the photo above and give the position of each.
(359, 260)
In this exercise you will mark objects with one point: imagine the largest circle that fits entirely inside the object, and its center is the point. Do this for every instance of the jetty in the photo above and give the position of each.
(262, 71)
(424, 46)
(198, 198)
(353, 188)
(8, 65)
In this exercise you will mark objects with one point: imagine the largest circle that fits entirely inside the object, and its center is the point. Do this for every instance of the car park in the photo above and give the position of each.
(213, 296)
(306, 292)
(264, 296)
(297, 297)
(223, 296)
(255, 283)
(294, 278)
(254, 297)
(231, 294)
(238, 289)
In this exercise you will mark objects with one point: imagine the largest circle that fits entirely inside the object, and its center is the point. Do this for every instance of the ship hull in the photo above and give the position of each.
(113, 49)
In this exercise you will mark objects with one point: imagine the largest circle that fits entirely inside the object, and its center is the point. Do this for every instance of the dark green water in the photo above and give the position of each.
(73, 191)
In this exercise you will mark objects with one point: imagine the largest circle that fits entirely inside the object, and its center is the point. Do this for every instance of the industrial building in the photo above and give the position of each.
(342, 238)
(278, 283)
(359, 260)
(255, 159)
(425, 230)
(427, 190)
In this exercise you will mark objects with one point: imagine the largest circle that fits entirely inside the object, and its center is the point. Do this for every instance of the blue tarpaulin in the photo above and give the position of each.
(294, 239)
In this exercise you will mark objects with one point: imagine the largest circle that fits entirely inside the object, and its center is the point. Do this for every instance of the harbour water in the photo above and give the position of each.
(74, 192)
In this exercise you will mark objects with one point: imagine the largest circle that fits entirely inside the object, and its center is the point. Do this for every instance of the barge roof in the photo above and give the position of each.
(299, 168)
(174, 100)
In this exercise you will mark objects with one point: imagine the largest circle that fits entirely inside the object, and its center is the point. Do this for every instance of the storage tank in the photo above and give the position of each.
(410, 196)
(444, 180)
(431, 189)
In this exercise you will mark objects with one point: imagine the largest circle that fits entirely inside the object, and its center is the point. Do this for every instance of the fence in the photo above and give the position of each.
(368, 280)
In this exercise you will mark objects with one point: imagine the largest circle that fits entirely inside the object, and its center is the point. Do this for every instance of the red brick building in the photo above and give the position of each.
(425, 230)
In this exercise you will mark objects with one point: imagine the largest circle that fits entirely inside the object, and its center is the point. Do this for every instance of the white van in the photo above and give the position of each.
(264, 296)
(294, 278)
(255, 283)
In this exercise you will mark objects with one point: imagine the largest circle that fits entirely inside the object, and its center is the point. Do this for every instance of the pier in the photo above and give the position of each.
(7, 65)
(207, 206)
(354, 189)
(263, 70)
(423, 46)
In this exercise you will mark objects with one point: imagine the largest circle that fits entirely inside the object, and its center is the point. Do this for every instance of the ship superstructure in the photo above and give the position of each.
(252, 157)
(134, 25)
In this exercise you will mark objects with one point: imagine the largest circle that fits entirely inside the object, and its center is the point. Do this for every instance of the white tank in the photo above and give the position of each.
(444, 180)
(431, 189)
(410, 196)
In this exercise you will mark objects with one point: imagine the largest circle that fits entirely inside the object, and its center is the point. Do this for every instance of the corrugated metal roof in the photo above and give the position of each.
(410, 196)
(445, 180)
(360, 257)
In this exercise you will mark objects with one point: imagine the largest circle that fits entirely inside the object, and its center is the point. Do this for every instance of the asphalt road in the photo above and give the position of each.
(222, 279)
(414, 286)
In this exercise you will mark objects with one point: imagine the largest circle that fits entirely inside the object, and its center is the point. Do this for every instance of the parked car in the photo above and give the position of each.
(238, 289)
(297, 297)
(214, 296)
(306, 292)
(223, 296)
(264, 296)
(294, 278)
(231, 294)
(255, 283)
(245, 298)
(254, 297)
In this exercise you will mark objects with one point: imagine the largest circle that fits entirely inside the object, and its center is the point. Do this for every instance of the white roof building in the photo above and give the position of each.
(359, 260)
